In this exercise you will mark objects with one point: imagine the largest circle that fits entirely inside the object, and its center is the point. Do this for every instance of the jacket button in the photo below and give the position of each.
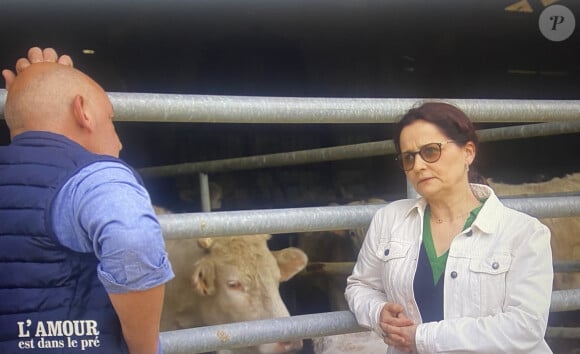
(469, 233)
(453, 274)
(495, 265)
(387, 251)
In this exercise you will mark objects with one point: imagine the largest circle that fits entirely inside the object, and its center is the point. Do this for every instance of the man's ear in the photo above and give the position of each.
(82, 119)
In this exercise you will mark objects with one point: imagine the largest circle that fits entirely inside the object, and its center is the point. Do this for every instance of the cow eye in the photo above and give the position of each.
(235, 285)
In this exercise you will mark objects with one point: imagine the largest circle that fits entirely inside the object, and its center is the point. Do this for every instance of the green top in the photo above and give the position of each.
(438, 263)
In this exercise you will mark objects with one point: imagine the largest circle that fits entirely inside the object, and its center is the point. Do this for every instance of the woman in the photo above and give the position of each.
(455, 270)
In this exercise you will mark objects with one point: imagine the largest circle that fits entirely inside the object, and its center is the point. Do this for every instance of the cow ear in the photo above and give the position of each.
(205, 243)
(203, 278)
(290, 260)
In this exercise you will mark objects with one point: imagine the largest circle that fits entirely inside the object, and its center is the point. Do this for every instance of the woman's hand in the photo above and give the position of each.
(398, 329)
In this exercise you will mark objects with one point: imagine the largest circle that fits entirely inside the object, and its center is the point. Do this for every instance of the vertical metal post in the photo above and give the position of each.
(204, 191)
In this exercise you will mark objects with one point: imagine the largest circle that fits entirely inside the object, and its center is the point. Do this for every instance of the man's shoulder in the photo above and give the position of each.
(106, 170)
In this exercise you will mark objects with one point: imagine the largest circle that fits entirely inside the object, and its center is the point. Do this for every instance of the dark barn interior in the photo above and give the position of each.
(374, 49)
(460, 49)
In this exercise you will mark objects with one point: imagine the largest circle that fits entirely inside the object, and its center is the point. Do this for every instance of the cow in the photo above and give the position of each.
(565, 239)
(565, 242)
(326, 291)
(332, 246)
(228, 279)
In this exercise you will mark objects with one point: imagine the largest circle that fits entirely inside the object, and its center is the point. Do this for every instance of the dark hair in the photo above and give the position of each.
(452, 121)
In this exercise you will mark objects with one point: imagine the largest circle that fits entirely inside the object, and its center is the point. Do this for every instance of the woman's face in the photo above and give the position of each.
(449, 172)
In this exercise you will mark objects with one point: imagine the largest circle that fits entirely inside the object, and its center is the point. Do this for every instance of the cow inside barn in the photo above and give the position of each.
(332, 246)
(325, 292)
(228, 279)
(565, 231)
(565, 244)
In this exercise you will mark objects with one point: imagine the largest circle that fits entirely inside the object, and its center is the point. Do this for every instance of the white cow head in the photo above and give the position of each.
(239, 279)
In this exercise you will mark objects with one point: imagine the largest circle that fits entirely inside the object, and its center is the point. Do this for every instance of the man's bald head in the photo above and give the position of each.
(41, 97)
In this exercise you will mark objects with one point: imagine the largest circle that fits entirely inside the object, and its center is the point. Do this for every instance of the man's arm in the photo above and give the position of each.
(140, 314)
(103, 209)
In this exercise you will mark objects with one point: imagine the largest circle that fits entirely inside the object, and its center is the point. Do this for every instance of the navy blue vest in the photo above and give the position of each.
(51, 300)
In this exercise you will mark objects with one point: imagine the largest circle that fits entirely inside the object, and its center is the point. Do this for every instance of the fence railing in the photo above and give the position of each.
(250, 333)
(149, 107)
(277, 221)
(353, 151)
(559, 117)
(274, 221)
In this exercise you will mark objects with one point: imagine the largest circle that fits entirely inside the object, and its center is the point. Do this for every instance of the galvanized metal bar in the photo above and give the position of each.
(546, 207)
(204, 191)
(244, 334)
(271, 221)
(276, 221)
(151, 107)
(565, 300)
(567, 266)
(301, 157)
(251, 333)
(343, 152)
(528, 131)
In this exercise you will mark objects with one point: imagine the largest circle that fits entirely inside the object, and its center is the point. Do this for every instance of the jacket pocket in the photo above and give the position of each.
(390, 250)
(495, 263)
(489, 273)
(395, 267)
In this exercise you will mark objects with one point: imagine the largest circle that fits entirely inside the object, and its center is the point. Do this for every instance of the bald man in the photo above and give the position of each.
(82, 257)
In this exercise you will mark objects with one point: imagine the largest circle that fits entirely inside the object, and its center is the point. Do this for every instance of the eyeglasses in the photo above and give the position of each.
(429, 153)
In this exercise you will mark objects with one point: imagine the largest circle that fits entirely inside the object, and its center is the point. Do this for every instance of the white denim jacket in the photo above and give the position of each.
(498, 279)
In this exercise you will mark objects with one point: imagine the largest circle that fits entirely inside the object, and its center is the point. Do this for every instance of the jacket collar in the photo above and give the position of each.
(488, 218)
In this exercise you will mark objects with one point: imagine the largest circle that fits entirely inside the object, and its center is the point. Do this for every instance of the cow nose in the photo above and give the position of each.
(291, 345)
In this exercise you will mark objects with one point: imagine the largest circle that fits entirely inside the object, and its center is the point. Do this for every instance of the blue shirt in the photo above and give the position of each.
(102, 209)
